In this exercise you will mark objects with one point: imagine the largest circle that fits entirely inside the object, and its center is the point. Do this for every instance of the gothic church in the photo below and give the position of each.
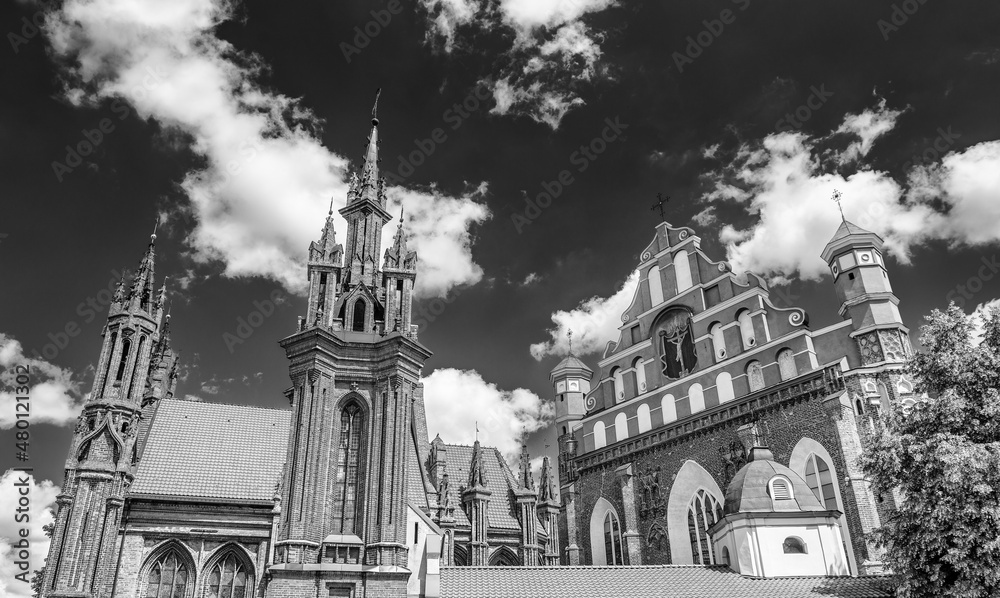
(709, 386)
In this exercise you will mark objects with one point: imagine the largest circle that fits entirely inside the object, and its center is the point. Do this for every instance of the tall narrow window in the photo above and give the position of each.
(718, 341)
(755, 376)
(703, 512)
(786, 364)
(348, 485)
(696, 398)
(724, 387)
(107, 365)
(135, 370)
(126, 347)
(621, 427)
(619, 384)
(642, 419)
(600, 435)
(682, 271)
(321, 299)
(746, 329)
(655, 287)
(640, 375)
(668, 408)
(168, 578)
(228, 578)
(360, 312)
(613, 540)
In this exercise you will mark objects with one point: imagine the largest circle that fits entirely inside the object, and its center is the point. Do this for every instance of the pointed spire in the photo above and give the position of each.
(119, 296)
(371, 187)
(141, 293)
(398, 256)
(326, 249)
(546, 488)
(477, 471)
(525, 480)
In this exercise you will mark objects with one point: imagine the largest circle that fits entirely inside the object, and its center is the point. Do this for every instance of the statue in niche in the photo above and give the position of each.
(677, 354)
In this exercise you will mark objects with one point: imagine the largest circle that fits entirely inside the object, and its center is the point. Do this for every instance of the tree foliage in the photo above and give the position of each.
(942, 457)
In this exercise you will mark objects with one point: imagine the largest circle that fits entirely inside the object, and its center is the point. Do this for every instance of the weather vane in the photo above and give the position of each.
(837, 197)
(570, 335)
(659, 205)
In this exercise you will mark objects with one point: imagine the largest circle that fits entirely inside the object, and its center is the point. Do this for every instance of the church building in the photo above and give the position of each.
(655, 448)
(342, 494)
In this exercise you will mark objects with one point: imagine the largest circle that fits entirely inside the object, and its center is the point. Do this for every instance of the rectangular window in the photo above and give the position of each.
(713, 296)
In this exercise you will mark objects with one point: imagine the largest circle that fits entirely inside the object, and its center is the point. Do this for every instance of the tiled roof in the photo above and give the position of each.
(748, 491)
(499, 480)
(673, 581)
(211, 450)
(571, 361)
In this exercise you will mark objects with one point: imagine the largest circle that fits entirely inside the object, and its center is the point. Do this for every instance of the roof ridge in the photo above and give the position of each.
(225, 404)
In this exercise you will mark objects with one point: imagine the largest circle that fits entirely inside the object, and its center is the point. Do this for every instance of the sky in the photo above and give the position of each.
(526, 140)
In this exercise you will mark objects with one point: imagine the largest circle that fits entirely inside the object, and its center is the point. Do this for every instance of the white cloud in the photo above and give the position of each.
(867, 126)
(593, 322)
(264, 189)
(39, 513)
(530, 279)
(55, 398)
(785, 182)
(551, 50)
(457, 400)
(439, 228)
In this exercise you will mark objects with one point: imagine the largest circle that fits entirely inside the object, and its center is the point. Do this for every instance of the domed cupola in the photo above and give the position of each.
(773, 525)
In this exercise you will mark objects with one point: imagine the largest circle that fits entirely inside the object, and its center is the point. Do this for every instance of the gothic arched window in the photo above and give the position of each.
(126, 347)
(169, 577)
(703, 512)
(228, 578)
(346, 496)
(107, 365)
(676, 344)
(755, 376)
(820, 481)
(613, 540)
(135, 370)
(360, 313)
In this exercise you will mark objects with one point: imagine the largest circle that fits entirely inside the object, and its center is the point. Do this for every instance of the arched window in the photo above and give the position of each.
(703, 512)
(696, 397)
(718, 341)
(746, 329)
(107, 365)
(820, 481)
(621, 427)
(793, 545)
(655, 287)
(600, 437)
(724, 387)
(780, 488)
(169, 577)
(682, 271)
(725, 556)
(613, 540)
(126, 347)
(460, 556)
(675, 343)
(504, 557)
(755, 376)
(883, 395)
(619, 384)
(642, 419)
(668, 408)
(228, 578)
(360, 314)
(640, 375)
(346, 497)
(786, 364)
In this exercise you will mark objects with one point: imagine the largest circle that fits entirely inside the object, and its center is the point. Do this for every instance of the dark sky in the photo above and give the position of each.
(61, 240)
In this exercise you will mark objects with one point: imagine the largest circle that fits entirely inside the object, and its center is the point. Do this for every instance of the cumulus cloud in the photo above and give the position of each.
(262, 192)
(551, 50)
(39, 513)
(55, 396)
(439, 229)
(459, 400)
(593, 323)
(786, 181)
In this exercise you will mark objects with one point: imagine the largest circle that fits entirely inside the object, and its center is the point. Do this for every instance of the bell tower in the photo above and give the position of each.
(571, 381)
(136, 369)
(354, 364)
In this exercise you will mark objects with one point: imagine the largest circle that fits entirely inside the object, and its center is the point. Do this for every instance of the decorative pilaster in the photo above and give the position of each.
(633, 539)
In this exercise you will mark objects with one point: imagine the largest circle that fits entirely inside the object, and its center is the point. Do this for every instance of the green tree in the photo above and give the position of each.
(36, 581)
(943, 457)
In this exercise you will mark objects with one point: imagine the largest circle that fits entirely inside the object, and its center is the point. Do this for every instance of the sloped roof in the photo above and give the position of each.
(499, 480)
(847, 229)
(675, 581)
(571, 361)
(213, 451)
(748, 493)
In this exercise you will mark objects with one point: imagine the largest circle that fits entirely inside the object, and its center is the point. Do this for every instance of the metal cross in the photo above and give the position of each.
(837, 197)
(659, 205)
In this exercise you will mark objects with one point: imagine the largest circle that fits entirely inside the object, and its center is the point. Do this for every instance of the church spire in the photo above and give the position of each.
(370, 186)
(525, 480)
(546, 488)
(141, 294)
(477, 471)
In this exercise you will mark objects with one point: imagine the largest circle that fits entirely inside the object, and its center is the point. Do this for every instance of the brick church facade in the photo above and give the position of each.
(342, 494)
(650, 443)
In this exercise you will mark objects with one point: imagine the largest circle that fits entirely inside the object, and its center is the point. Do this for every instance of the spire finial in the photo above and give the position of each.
(837, 196)
(570, 335)
(156, 223)
(378, 92)
(659, 206)
(330, 212)
(477, 430)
